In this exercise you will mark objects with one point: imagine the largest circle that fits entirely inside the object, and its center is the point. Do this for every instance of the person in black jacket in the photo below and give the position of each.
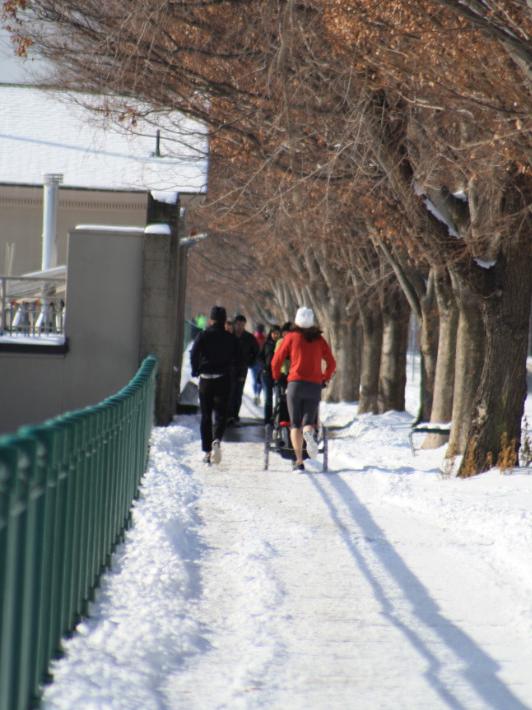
(265, 360)
(248, 349)
(213, 357)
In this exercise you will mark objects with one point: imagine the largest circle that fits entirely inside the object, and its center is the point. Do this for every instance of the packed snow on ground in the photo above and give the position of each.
(381, 584)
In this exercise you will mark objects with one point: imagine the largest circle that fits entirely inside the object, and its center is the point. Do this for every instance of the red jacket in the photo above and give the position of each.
(306, 359)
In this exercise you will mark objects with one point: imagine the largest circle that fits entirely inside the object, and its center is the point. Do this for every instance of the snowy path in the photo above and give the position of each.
(378, 586)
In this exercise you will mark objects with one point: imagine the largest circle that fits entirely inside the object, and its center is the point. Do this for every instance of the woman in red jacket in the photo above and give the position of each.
(307, 350)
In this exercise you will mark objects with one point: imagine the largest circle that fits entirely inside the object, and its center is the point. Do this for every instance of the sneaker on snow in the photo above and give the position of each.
(207, 457)
(312, 444)
(298, 466)
(216, 456)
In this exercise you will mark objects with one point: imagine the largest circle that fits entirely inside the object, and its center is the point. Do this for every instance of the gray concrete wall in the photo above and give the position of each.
(160, 304)
(103, 313)
(103, 322)
(30, 389)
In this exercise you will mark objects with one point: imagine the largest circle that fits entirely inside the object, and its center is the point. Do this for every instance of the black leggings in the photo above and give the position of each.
(237, 390)
(214, 398)
(303, 399)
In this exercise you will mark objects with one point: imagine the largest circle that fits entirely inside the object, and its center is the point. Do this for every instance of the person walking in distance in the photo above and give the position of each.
(307, 351)
(285, 328)
(213, 356)
(256, 370)
(265, 360)
(248, 350)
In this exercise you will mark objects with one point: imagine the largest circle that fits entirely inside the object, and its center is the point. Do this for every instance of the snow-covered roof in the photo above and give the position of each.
(43, 131)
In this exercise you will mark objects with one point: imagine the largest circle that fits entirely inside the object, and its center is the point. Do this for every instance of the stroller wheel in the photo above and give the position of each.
(325, 441)
(267, 442)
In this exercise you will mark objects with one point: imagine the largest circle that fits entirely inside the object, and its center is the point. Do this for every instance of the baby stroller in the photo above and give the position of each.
(277, 433)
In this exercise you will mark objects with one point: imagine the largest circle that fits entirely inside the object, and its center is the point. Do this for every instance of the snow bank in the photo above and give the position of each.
(140, 626)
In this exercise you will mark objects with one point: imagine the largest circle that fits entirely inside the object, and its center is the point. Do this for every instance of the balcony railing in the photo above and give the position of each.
(32, 306)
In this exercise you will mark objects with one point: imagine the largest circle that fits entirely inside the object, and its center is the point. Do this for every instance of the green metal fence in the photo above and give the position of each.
(66, 489)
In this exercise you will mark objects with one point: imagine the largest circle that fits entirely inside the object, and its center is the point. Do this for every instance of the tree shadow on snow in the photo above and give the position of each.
(403, 470)
(479, 669)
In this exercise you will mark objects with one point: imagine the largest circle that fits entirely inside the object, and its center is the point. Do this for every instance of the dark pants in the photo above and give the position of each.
(214, 398)
(256, 372)
(303, 399)
(267, 386)
(237, 390)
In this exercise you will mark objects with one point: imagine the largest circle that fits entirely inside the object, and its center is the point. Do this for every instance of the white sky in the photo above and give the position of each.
(15, 69)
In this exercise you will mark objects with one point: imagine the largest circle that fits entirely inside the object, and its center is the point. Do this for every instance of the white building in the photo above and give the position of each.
(106, 170)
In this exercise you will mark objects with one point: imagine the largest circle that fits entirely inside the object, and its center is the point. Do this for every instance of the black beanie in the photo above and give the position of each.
(218, 314)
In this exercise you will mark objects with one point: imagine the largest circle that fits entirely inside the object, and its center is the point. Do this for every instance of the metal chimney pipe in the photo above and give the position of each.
(49, 220)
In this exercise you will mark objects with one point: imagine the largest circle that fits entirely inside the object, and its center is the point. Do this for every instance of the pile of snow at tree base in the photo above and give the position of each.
(381, 584)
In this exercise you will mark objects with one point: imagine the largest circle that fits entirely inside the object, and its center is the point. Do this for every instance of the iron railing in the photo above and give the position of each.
(31, 306)
(66, 489)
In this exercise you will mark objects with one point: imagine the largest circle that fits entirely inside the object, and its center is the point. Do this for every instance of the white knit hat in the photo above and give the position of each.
(304, 317)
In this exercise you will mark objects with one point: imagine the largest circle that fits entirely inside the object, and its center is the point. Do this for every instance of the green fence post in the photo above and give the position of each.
(7, 468)
(62, 540)
(68, 498)
(77, 471)
(50, 437)
(97, 420)
(109, 479)
(9, 494)
(34, 455)
(86, 502)
(14, 590)
(114, 474)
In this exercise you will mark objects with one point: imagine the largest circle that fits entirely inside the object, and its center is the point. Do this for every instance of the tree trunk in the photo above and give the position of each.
(285, 299)
(442, 404)
(371, 320)
(339, 329)
(345, 341)
(392, 376)
(470, 344)
(356, 354)
(494, 437)
(428, 345)
(530, 334)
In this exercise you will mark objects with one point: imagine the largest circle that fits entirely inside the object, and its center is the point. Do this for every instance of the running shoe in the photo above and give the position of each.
(216, 455)
(312, 444)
